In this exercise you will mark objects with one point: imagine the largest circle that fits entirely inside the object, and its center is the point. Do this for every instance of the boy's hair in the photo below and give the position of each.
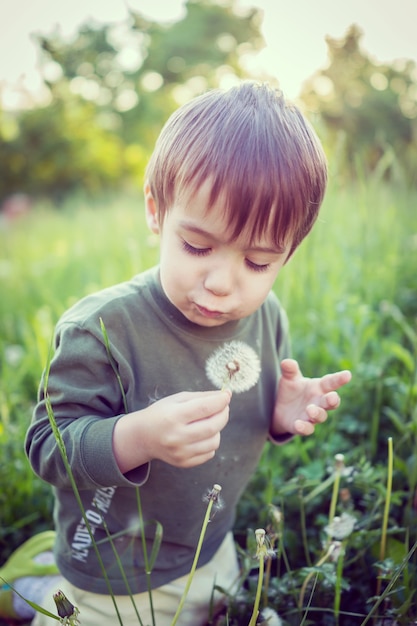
(259, 154)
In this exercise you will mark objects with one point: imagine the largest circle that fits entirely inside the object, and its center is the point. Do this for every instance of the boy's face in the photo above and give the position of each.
(210, 277)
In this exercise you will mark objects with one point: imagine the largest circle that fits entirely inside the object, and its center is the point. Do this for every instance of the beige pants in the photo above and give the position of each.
(98, 610)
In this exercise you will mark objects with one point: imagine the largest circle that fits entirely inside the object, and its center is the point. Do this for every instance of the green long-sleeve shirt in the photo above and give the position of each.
(157, 352)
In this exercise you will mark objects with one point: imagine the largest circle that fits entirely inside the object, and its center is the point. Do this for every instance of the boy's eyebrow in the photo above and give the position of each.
(200, 231)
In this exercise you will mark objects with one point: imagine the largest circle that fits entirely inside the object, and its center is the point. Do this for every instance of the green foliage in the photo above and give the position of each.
(62, 147)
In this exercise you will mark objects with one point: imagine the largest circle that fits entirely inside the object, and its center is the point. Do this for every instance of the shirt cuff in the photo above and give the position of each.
(280, 439)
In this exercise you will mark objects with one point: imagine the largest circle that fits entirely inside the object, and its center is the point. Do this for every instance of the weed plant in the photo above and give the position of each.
(351, 295)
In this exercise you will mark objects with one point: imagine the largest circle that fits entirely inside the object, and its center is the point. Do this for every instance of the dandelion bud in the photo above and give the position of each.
(65, 609)
(234, 366)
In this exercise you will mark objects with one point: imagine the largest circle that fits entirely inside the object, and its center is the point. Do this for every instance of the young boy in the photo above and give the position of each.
(234, 185)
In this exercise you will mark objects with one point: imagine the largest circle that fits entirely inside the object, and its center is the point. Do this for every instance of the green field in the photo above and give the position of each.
(351, 295)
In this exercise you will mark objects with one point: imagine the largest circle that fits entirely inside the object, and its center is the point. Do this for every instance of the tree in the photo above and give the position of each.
(370, 108)
(136, 73)
(111, 89)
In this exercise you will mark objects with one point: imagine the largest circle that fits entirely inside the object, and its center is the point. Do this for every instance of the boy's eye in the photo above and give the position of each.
(257, 267)
(193, 250)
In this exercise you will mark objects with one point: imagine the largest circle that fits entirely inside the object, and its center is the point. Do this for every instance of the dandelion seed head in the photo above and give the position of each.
(270, 617)
(234, 366)
(341, 527)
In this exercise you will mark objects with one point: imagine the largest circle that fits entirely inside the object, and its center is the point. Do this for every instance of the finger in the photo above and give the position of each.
(316, 414)
(199, 452)
(204, 429)
(331, 382)
(331, 401)
(328, 401)
(188, 396)
(205, 405)
(290, 368)
(198, 459)
(303, 428)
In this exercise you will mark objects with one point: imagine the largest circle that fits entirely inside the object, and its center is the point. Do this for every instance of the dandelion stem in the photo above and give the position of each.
(267, 578)
(145, 554)
(120, 565)
(304, 531)
(195, 561)
(335, 494)
(383, 544)
(338, 585)
(255, 612)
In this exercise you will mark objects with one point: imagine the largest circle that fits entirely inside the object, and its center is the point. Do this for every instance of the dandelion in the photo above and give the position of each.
(263, 545)
(340, 470)
(339, 466)
(213, 495)
(212, 498)
(276, 517)
(234, 366)
(263, 553)
(341, 527)
(270, 618)
(67, 612)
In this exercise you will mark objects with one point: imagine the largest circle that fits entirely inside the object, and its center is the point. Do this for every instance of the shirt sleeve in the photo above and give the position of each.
(85, 399)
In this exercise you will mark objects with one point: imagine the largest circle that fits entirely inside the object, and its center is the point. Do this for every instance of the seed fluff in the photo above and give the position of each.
(234, 366)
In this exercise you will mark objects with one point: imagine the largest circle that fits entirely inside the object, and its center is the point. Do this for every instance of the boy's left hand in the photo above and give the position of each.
(303, 402)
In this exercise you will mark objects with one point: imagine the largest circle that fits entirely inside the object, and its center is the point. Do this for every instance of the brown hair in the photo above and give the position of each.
(257, 151)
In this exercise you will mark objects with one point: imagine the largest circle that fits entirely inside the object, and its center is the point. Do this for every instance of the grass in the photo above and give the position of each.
(351, 295)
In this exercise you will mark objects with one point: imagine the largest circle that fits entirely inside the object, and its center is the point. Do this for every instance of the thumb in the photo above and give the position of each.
(290, 369)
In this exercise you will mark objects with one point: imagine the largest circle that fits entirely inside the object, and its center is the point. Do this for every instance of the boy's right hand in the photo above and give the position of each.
(182, 430)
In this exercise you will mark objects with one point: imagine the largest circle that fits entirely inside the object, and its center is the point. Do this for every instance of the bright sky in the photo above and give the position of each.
(294, 31)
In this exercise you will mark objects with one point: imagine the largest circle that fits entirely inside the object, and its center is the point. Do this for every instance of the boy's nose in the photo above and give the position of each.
(220, 280)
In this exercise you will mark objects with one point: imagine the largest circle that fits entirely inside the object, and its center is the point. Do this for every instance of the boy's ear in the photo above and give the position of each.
(151, 210)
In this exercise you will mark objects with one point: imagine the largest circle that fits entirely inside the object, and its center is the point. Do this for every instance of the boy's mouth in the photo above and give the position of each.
(208, 312)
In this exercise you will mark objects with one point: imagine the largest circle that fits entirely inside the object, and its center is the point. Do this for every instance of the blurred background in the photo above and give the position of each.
(86, 86)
